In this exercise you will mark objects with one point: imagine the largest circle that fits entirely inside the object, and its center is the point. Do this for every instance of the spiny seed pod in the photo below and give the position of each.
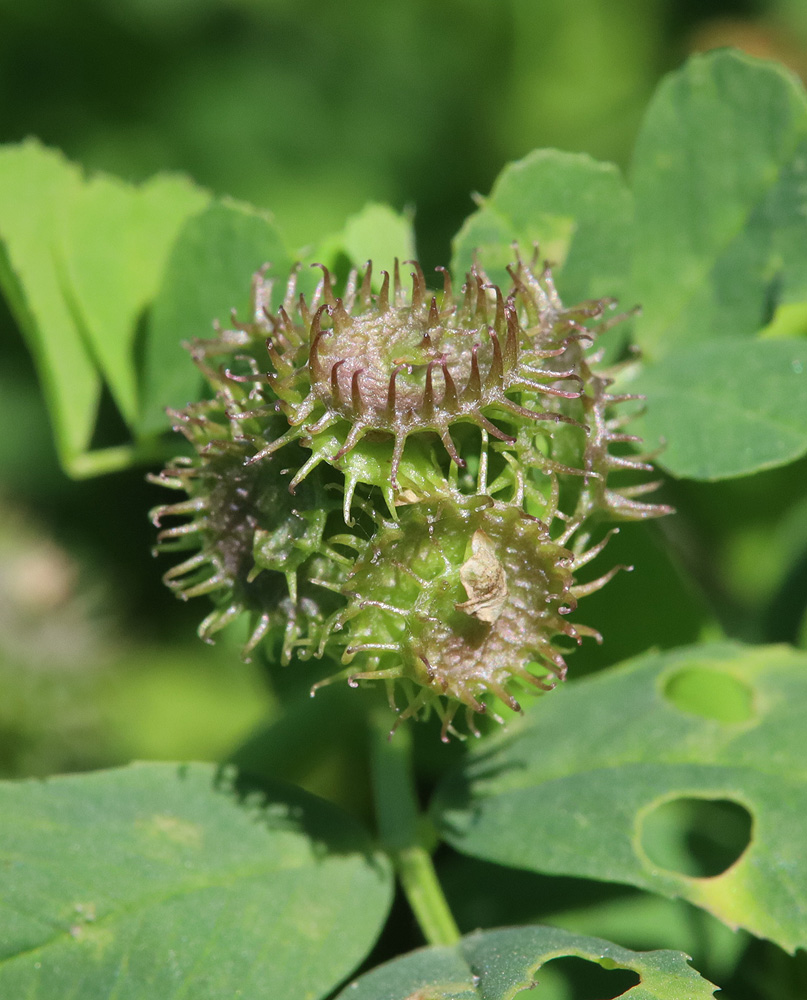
(359, 376)
(364, 367)
(460, 597)
(485, 422)
(258, 548)
(403, 367)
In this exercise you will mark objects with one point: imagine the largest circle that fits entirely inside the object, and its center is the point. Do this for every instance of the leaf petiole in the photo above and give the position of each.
(404, 832)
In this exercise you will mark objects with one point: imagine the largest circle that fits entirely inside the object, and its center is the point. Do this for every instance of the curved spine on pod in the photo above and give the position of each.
(407, 481)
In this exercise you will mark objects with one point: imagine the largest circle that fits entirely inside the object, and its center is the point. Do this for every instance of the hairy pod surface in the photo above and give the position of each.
(255, 547)
(460, 596)
(408, 482)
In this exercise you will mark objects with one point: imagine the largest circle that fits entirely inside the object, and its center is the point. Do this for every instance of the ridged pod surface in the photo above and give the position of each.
(255, 547)
(408, 482)
(460, 597)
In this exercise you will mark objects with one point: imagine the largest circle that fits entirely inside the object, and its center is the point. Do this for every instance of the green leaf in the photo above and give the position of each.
(496, 965)
(488, 895)
(720, 182)
(158, 880)
(208, 274)
(81, 261)
(116, 242)
(727, 408)
(377, 233)
(575, 788)
(36, 186)
(380, 234)
(579, 211)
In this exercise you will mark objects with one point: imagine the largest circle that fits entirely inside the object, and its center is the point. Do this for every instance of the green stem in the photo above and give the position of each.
(404, 833)
(102, 461)
(425, 895)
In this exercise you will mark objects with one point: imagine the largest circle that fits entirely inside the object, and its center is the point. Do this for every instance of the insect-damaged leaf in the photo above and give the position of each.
(574, 789)
(497, 965)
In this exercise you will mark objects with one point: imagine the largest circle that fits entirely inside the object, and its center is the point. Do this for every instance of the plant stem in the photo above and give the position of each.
(403, 829)
(102, 461)
(425, 895)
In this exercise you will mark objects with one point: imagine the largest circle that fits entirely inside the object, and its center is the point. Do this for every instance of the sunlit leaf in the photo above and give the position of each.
(80, 262)
(116, 241)
(727, 408)
(36, 186)
(497, 965)
(208, 275)
(720, 182)
(380, 234)
(572, 790)
(160, 880)
(577, 210)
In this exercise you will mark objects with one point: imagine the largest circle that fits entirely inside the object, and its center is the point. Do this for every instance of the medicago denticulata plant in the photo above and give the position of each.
(458, 567)
(400, 492)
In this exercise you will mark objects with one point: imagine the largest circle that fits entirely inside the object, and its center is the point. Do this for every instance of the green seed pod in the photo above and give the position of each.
(459, 598)
(486, 424)
(378, 370)
(257, 546)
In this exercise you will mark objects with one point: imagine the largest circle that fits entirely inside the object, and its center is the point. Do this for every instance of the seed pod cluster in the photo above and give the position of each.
(405, 481)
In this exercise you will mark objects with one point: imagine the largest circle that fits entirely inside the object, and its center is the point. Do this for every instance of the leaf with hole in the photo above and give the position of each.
(165, 880)
(497, 965)
(682, 773)
(720, 184)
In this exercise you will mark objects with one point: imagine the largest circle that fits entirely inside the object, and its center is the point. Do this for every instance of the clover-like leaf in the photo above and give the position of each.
(380, 234)
(116, 242)
(497, 965)
(720, 184)
(590, 777)
(206, 277)
(35, 185)
(577, 210)
(160, 880)
(727, 408)
(80, 261)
